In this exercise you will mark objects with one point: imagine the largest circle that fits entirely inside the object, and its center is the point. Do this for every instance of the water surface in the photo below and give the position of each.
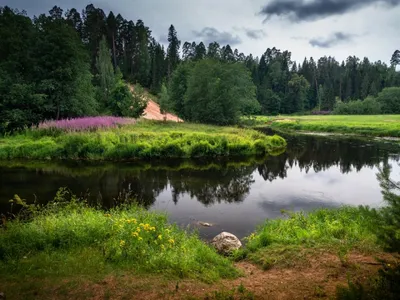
(235, 195)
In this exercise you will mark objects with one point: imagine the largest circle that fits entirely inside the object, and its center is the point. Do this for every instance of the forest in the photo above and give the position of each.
(70, 64)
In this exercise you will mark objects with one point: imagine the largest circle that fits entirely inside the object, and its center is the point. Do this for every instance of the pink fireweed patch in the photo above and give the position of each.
(86, 123)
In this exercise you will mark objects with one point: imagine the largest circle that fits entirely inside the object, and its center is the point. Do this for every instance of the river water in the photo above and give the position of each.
(233, 196)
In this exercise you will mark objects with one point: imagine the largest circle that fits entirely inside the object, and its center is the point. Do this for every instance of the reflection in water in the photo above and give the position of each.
(306, 176)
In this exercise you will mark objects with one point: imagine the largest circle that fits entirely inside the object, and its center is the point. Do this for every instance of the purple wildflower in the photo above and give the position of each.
(86, 123)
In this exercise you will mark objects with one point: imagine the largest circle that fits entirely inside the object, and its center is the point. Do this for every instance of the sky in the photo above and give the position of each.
(339, 28)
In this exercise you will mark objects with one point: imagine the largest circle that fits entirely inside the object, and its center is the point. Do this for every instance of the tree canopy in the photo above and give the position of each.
(63, 64)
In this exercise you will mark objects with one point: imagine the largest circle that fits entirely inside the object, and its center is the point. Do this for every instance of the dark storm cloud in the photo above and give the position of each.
(255, 34)
(210, 34)
(306, 10)
(333, 40)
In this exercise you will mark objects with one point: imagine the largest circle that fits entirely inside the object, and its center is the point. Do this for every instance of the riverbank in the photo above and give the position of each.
(69, 250)
(145, 139)
(373, 126)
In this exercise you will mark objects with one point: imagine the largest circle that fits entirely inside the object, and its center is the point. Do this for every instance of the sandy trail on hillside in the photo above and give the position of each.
(152, 111)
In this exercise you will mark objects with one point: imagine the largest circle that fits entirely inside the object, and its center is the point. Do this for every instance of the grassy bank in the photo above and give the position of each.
(292, 240)
(145, 139)
(373, 125)
(71, 239)
(69, 250)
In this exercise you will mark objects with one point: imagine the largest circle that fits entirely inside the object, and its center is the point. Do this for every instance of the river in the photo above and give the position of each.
(235, 195)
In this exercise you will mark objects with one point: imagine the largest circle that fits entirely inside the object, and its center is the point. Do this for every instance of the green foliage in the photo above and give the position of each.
(143, 140)
(269, 101)
(128, 237)
(44, 71)
(106, 77)
(127, 103)
(297, 94)
(389, 98)
(177, 88)
(163, 97)
(370, 106)
(389, 231)
(218, 92)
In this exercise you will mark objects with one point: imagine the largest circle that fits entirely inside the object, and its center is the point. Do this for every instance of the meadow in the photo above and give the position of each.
(144, 139)
(369, 125)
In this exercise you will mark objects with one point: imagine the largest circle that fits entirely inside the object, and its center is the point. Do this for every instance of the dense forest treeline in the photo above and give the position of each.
(66, 64)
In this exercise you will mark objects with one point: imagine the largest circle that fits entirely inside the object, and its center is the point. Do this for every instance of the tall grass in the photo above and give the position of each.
(334, 230)
(124, 238)
(143, 140)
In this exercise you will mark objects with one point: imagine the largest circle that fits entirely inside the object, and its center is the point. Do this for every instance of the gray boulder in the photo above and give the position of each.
(226, 242)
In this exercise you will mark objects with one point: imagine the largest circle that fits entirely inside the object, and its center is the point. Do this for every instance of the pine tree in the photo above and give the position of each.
(173, 50)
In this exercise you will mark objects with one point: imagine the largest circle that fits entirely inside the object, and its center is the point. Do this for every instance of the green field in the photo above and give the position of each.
(146, 139)
(373, 125)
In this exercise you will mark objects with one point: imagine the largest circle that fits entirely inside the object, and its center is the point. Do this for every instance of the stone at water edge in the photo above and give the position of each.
(2, 296)
(226, 242)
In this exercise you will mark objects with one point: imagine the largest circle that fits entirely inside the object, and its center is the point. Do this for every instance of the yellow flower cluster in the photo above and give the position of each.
(147, 227)
(133, 221)
(122, 243)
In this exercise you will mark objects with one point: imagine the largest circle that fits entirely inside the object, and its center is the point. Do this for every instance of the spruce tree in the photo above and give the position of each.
(173, 50)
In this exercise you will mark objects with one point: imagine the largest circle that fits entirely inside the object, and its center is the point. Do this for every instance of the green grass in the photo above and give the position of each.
(146, 139)
(373, 125)
(70, 239)
(289, 241)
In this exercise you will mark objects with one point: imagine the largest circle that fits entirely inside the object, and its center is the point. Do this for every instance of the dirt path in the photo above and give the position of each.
(317, 279)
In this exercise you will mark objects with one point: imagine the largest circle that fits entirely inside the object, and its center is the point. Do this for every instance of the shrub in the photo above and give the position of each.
(370, 106)
(389, 98)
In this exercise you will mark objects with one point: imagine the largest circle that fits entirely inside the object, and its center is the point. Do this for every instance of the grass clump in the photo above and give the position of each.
(143, 140)
(64, 236)
(284, 242)
(367, 125)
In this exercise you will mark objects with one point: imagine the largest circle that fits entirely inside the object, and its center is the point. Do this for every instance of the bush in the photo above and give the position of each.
(389, 98)
(370, 106)
(126, 103)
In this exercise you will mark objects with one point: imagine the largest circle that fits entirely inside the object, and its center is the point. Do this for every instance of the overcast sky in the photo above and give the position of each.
(305, 27)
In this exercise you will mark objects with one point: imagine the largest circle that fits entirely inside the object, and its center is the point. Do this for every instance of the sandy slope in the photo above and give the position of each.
(152, 111)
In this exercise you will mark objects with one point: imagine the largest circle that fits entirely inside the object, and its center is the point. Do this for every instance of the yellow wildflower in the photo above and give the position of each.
(160, 237)
(138, 229)
(122, 243)
(134, 221)
(140, 238)
(107, 215)
(167, 231)
(171, 241)
(135, 234)
(153, 228)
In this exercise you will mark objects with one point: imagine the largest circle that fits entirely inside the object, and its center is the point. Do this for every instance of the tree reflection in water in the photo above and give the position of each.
(209, 183)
